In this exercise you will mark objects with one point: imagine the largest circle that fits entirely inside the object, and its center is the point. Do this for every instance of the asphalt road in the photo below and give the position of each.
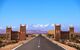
(39, 43)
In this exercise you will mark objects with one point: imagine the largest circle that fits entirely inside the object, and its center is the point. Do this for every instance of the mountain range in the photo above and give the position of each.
(40, 28)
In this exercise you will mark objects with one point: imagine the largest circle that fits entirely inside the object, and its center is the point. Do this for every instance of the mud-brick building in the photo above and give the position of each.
(60, 35)
(64, 35)
(16, 35)
(22, 34)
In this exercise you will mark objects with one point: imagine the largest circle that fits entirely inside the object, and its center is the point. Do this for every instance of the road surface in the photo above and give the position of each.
(39, 43)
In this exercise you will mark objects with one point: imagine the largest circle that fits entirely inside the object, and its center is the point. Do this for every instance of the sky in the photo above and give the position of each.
(16, 12)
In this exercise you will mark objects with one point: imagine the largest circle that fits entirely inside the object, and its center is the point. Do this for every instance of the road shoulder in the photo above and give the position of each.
(66, 47)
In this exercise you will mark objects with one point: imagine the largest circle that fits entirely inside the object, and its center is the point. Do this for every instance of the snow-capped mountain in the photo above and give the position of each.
(2, 31)
(41, 28)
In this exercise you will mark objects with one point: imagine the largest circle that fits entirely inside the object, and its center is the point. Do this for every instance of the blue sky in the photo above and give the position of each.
(16, 12)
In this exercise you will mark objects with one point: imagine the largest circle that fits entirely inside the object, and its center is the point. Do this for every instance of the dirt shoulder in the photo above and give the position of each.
(11, 46)
(66, 47)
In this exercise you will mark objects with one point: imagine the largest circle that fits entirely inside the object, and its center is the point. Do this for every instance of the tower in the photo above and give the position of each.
(71, 32)
(22, 35)
(8, 33)
(57, 32)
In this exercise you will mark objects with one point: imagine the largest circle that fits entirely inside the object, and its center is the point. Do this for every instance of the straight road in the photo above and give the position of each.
(39, 43)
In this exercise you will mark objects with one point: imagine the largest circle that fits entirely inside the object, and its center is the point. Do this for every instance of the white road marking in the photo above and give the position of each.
(23, 43)
(39, 41)
(17, 46)
(39, 44)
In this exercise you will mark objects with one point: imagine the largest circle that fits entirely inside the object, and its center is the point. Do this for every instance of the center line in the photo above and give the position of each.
(39, 44)
(39, 41)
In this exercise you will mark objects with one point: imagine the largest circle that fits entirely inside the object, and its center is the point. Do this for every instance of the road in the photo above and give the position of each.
(39, 43)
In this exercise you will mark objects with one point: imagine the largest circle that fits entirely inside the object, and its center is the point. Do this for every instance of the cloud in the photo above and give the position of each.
(52, 24)
(36, 25)
(40, 25)
(46, 25)
(13, 27)
(27, 26)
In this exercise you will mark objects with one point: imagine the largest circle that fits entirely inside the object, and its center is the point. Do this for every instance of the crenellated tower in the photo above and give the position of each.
(22, 35)
(71, 32)
(57, 32)
(8, 33)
